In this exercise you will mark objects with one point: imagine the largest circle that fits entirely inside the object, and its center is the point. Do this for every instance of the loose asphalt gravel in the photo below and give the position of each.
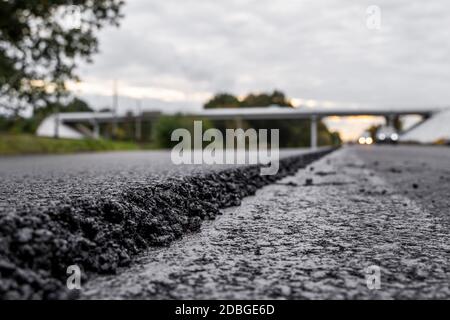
(312, 236)
(98, 211)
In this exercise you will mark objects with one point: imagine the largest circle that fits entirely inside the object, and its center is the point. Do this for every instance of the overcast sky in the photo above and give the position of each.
(177, 53)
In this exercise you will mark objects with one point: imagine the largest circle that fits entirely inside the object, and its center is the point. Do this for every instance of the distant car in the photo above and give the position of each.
(366, 138)
(386, 134)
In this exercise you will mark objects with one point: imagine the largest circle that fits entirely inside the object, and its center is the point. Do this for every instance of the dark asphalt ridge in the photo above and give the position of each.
(101, 233)
(300, 240)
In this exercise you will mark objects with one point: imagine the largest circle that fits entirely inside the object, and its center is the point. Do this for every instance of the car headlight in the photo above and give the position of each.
(369, 140)
(381, 136)
(362, 140)
(394, 137)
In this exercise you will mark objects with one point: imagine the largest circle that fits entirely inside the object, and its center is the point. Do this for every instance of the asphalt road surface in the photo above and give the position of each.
(46, 179)
(42, 180)
(98, 211)
(313, 235)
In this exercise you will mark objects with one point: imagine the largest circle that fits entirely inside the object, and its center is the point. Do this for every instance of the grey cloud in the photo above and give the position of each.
(311, 49)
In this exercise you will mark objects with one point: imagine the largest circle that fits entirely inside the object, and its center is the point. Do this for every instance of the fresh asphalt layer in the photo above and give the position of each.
(42, 180)
(98, 211)
(313, 236)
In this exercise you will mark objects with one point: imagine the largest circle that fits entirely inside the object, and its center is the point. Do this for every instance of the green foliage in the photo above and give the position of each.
(17, 124)
(167, 124)
(222, 100)
(226, 100)
(373, 131)
(265, 100)
(398, 125)
(29, 144)
(336, 138)
(41, 41)
(77, 105)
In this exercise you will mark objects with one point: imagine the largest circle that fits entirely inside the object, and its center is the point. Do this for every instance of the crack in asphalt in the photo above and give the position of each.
(301, 243)
(100, 220)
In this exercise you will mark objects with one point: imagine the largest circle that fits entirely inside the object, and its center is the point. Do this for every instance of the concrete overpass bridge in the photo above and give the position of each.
(313, 114)
(58, 125)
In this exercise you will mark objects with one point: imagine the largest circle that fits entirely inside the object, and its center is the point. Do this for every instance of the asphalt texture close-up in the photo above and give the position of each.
(98, 211)
(313, 236)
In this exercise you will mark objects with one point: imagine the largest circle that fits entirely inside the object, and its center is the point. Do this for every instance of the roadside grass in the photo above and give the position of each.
(29, 144)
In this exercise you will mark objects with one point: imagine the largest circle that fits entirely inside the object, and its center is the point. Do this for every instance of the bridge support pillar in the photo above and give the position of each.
(56, 130)
(138, 128)
(390, 120)
(239, 123)
(313, 132)
(96, 133)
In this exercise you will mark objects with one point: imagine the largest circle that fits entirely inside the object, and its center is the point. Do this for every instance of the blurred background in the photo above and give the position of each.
(127, 73)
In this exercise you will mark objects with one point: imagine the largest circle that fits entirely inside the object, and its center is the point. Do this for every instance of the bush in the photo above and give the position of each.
(11, 144)
(293, 133)
(167, 124)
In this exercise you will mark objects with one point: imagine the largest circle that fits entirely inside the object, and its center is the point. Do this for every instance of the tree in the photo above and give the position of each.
(222, 100)
(73, 105)
(266, 99)
(279, 98)
(167, 124)
(373, 131)
(226, 100)
(77, 105)
(41, 42)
